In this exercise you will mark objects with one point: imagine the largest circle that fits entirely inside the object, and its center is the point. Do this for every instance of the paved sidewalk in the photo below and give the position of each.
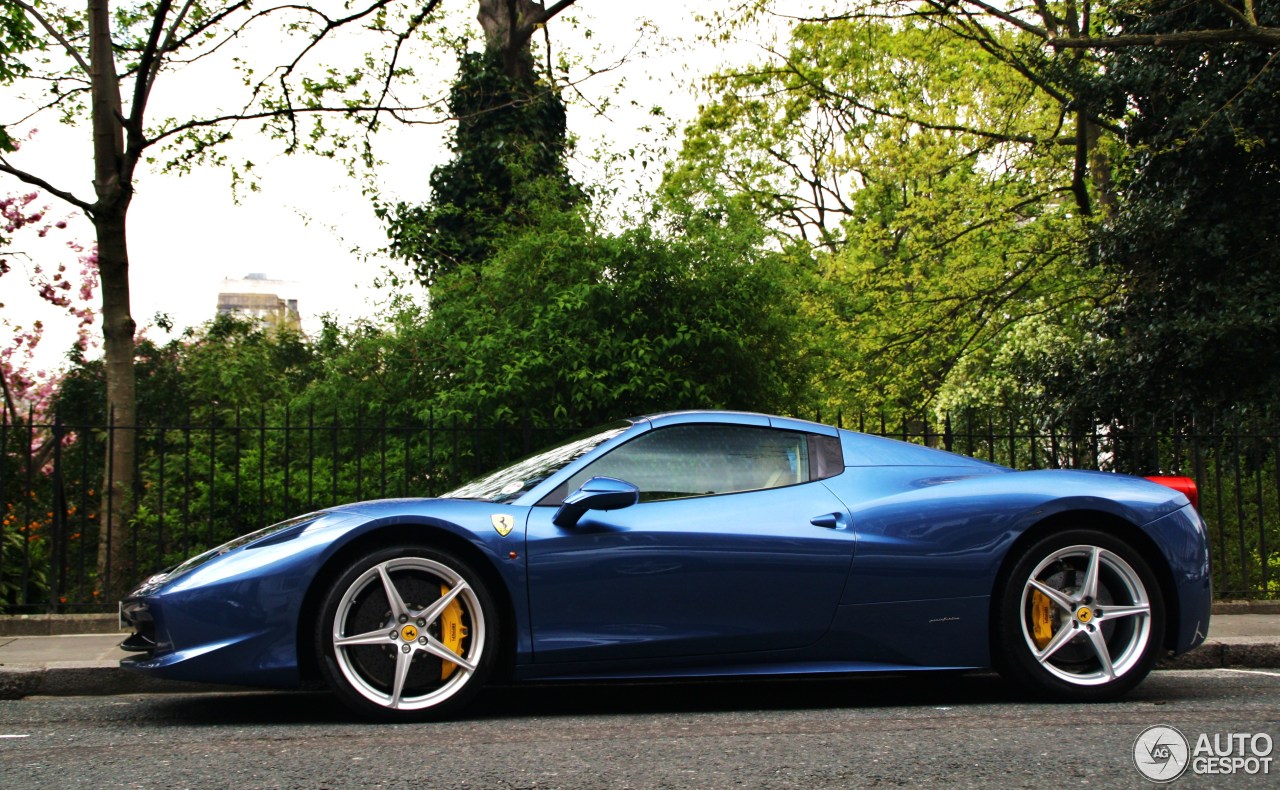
(88, 663)
(75, 664)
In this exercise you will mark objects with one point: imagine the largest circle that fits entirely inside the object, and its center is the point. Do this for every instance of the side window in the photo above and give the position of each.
(826, 458)
(697, 460)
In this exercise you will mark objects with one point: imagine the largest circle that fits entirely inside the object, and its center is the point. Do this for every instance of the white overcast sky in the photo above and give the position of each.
(310, 224)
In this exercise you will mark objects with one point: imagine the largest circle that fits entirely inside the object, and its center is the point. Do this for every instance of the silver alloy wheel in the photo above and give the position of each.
(1100, 615)
(407, 632)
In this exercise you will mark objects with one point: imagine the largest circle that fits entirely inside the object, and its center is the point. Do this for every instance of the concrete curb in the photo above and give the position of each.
(19, 682)
(1229, 653)
(91, 679)
(58, 624)
(1246, 607)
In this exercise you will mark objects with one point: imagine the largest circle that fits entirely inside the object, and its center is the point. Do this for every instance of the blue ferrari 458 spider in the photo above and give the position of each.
(696, 544)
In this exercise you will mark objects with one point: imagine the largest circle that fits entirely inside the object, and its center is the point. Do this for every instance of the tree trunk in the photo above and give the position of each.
(115, 570)
(1080, 174)
(1100, 171)
(114, 192)
(509, 26)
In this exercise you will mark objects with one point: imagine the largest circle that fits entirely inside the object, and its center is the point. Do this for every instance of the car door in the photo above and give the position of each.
(734, 547)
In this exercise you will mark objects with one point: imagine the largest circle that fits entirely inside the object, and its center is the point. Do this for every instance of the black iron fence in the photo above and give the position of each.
(199, 485)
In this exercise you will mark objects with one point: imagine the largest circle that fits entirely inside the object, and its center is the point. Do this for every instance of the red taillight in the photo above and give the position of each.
(1183, 484)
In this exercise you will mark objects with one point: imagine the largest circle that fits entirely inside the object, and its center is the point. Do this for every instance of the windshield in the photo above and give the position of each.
(510, 482)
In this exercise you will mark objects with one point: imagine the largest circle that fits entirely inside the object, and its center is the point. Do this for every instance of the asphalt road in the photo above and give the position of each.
(953, 731)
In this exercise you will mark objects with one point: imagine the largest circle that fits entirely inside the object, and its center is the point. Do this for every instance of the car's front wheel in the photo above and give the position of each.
(1081, 618)
(407, 633)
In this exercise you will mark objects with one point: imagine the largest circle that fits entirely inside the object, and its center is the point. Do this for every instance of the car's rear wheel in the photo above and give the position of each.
(1081, 617)
(407, 633)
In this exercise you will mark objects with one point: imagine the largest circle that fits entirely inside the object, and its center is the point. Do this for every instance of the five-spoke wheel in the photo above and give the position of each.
(406, 633)
(1080, 617)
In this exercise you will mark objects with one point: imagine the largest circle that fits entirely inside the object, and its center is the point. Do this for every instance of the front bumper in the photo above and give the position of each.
(234, 617)
(189, 637)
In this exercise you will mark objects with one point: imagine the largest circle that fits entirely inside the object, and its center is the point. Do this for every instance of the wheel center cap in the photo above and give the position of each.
(1084, 614)
(409, 633)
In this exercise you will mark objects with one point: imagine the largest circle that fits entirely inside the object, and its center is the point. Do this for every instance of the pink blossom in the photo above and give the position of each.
(35, 389)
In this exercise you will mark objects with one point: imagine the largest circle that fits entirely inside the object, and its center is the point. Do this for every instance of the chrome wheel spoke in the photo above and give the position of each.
(398, 608)
(1099, 643)
(1057, 596)
(1089, 590)
(433, 611)
(379, 637)
(403, 661)
(1059, 639)
(1117, 612)
(437, 649)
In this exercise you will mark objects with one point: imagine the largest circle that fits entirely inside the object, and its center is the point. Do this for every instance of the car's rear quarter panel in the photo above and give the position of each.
(932, 539)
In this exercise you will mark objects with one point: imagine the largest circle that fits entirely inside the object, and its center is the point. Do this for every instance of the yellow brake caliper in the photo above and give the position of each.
(1041, 619)
(452, 632)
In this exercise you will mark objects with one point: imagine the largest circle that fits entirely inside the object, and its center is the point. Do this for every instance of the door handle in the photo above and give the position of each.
(828, 520)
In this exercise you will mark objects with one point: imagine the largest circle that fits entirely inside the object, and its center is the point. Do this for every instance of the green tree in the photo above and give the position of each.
(943, 209)
(567, 322)
(1054, 48)
(1196, 243)
(509, 149)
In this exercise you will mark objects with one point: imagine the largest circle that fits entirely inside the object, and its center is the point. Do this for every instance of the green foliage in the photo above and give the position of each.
(24, 554)
(17, 37)
(242, 364)
(939, 205)
(509, 151)
(1196, 242)
(230, 363)
(537, 313)
(565, 321)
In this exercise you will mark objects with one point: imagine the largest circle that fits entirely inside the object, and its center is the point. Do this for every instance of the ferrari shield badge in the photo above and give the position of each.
(503, 523)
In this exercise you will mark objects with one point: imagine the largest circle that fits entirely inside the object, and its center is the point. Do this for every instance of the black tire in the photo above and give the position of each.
(441, 608)
(1055, 638)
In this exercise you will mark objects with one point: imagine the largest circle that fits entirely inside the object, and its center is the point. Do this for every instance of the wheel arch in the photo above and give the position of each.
(1110, 523)
(390, 534)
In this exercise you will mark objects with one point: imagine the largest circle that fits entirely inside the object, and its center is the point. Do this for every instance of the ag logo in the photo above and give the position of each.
(503, 523)
(1161, 753)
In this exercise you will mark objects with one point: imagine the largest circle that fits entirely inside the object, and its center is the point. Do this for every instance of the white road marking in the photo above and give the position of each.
(15, 736)
(1251, 672)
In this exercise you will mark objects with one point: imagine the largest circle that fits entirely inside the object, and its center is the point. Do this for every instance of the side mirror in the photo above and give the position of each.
(598, 493)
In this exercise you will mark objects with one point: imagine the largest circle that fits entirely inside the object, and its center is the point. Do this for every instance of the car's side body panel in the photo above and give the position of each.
(687, 577)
